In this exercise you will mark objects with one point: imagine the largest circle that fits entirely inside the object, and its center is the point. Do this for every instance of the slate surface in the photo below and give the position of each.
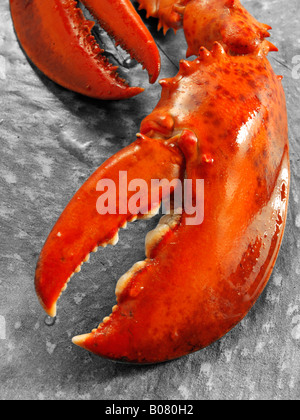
(51, 141)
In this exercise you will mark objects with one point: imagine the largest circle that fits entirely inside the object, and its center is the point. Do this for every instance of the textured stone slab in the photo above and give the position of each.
(51, 141)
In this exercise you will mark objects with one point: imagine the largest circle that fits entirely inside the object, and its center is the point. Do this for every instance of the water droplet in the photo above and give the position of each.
(49, 321)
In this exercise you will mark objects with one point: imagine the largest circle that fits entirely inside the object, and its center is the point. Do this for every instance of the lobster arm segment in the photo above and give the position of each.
(81, 229)
(58, 40)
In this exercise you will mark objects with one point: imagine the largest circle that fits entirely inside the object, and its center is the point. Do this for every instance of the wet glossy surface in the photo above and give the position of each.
(51, 142)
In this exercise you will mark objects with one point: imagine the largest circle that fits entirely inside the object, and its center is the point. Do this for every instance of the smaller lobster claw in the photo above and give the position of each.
(58, 39)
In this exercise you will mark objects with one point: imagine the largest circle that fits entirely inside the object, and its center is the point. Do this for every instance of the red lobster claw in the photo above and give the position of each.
(57, 38)
(223, 120)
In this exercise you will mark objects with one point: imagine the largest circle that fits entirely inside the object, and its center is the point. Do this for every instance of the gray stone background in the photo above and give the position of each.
(51, 141)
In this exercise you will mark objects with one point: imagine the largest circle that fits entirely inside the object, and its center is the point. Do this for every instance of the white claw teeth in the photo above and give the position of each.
(78, 269)
(125, 279)
(106, 319)
(172, 220)
(65, 286)
(166, 223)
(114, 240)
(152, 213)
(154, 237)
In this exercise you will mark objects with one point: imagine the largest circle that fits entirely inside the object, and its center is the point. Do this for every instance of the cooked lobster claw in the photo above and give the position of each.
(58, 39)
(223, 120)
